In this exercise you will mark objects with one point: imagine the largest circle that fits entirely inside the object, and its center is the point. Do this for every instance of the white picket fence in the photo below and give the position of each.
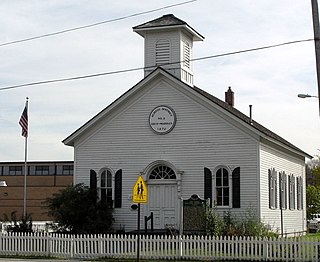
(159, 247)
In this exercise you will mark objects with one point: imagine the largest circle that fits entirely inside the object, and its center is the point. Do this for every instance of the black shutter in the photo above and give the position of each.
(270, 193)
(93, 179)
(208, 185)
(236, 188)
(274, 176)
(118, 189)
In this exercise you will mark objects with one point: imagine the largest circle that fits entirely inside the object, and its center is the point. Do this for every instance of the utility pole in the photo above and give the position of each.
(316, 33)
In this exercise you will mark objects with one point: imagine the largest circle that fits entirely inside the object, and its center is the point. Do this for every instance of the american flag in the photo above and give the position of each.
(23, 122)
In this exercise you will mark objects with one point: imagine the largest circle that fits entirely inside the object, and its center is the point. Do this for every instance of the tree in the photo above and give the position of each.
(313, 171)
(76, 210)
(313, 201)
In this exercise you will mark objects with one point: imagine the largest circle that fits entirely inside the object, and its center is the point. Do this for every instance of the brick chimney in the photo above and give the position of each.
(229, 97)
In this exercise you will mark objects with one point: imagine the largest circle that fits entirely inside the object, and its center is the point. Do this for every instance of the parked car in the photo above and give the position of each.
(314, 223)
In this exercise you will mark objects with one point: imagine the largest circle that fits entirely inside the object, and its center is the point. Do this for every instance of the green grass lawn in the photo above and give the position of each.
(312, 236)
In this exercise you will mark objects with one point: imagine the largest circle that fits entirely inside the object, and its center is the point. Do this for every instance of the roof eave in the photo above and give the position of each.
(196, 36)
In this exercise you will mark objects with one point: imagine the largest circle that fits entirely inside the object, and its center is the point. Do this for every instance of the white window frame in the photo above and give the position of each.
(216, 187)
(105, 186)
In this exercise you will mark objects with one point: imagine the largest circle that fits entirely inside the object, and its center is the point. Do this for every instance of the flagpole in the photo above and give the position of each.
(25, 170)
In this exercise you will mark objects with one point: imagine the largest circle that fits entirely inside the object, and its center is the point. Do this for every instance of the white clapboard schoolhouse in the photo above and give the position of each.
(183, 142)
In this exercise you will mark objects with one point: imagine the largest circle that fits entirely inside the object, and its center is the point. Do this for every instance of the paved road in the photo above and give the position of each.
(37, 260)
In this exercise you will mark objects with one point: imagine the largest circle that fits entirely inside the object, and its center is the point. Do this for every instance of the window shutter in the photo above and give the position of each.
(294, 191)
(275, 189)
(270, 193)
(118, 189)
(284, 177)
(301, 192)
(236, 188)
(93, 179)
(208, 185)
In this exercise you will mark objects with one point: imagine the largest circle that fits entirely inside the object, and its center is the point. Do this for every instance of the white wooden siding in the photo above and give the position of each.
(293, 220)
(200, 139)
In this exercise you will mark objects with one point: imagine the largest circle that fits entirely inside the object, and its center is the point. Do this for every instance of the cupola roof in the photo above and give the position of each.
(166, 22)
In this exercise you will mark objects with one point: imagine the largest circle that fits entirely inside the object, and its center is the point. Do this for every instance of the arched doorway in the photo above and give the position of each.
(163, 198)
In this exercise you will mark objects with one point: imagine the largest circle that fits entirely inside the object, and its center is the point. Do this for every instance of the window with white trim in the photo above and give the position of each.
(106, 186)
(162, 172)
(222, 184)
(273, 201)
(234, 187)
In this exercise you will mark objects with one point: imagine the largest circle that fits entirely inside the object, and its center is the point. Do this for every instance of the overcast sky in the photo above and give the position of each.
(268, 79)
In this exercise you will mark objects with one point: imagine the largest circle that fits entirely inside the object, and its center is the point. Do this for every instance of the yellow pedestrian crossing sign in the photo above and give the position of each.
(139, 191)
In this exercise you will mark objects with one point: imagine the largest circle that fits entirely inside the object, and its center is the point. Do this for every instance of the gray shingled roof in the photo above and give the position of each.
(166, 21)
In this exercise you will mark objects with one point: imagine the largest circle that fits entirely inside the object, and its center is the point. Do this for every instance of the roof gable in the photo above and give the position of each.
(229, 111)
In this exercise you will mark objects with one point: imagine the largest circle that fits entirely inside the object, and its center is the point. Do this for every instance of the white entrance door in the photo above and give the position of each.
(163, 202)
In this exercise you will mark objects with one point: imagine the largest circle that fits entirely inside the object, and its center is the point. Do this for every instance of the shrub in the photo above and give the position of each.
(23, 225)
(215, 224)
(228, 225)
(76, 210)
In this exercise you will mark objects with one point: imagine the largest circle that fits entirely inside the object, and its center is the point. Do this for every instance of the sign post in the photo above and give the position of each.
(139, 195)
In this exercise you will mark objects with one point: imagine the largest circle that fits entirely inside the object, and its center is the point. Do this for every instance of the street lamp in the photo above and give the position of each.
(305, 96)
(3, 183)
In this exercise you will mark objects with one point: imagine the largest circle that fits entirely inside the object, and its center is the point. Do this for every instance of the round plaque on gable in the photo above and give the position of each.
(162, 119)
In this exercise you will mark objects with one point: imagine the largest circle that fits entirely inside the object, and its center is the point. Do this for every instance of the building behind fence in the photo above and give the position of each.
(159, 247)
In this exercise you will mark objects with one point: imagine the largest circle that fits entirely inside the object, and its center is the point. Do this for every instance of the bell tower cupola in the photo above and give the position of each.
(168, 43)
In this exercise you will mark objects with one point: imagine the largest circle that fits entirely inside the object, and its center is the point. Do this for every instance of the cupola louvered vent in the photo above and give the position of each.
(186, 55)
(168, 43)
(162, 52)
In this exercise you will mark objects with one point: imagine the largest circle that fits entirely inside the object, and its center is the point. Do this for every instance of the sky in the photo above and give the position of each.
(268, 79)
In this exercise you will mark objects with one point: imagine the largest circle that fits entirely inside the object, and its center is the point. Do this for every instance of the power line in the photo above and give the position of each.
(254, 49)
(95, 24)
(141, 68)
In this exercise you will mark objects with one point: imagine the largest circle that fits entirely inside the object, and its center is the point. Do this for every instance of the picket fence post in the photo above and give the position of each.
(265, 248)
(48, 240)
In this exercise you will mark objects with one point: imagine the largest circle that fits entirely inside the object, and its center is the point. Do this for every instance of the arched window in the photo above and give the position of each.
(162, 172)
(226, 189)
(162, 52)
(107, 189)
(222, 187)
